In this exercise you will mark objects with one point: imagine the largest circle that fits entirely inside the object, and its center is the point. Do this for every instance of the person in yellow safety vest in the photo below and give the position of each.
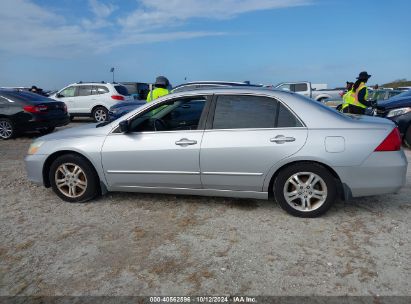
(357, 97)
(160, 85)
(346, 95)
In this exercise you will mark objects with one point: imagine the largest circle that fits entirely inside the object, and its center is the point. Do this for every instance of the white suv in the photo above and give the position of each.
(92, 98)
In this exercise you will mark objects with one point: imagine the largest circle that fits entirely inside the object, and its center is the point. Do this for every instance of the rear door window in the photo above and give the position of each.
(122, 90)
(239, 112)
(84, 90)
(252, 112)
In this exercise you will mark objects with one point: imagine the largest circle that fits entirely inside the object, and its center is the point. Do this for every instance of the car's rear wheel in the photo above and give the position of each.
(7, 129)
(100, 114)
(73, 179)
(407, 137)
(305, 189)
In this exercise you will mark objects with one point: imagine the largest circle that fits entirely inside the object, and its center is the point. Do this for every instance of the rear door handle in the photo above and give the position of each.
(280, 139)
(185, 142)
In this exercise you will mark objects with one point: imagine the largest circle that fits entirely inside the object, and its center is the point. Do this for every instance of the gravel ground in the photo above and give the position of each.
(140, 244)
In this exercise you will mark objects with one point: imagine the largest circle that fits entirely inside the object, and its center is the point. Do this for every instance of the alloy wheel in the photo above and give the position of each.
(71, 180)
(6, 129)
(100, 115)
(305, 191)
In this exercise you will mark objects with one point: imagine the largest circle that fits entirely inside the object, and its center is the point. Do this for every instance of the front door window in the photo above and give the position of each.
(176, 115)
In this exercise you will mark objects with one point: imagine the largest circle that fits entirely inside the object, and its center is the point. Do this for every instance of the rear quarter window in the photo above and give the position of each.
(98, 90)
(122, 90)
(286, 119)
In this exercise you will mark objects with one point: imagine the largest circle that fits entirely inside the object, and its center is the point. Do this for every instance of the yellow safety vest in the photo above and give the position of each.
(156, 93)
(352, 97)
(347, 99)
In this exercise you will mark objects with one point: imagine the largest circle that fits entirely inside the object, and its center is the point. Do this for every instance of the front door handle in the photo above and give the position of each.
(185, 142)
(280, 139)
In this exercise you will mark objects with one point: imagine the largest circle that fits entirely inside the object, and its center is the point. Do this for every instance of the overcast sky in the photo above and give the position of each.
(51, 43)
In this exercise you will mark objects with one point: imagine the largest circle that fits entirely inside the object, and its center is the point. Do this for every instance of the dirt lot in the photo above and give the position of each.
(137, 244)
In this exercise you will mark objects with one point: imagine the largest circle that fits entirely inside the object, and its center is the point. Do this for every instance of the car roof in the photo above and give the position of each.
(233, 90)
(225, 83)
(94, 83)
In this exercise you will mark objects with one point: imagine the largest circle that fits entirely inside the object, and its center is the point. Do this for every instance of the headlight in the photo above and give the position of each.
(34, 147)
(398, 112)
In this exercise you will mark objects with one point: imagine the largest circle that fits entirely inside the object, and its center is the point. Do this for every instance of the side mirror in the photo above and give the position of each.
(124, 128)
(58, 95)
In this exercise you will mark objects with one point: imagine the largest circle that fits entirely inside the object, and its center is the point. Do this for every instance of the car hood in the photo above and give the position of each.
(128, 104)
(82, 131)
(395, 102)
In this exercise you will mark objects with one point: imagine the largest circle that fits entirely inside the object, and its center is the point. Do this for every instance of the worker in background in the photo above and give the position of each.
(346, 94)
(357, 99)
(160, 85)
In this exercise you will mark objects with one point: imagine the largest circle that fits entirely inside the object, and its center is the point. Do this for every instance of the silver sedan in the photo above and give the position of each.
(249, 143)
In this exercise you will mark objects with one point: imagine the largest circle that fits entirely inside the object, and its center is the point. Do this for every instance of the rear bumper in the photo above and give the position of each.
(381, 173)
(34, 168)
(37, 124)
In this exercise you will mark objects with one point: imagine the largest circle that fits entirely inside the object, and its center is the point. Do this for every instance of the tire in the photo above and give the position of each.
(71, 117)
(7, 129)
(78, 179)
(47, 130)
(338, 108)
(100, 114)
(407, 137)
(317, 196)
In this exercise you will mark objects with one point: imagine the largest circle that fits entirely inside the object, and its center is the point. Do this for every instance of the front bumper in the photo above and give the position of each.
(34, 168)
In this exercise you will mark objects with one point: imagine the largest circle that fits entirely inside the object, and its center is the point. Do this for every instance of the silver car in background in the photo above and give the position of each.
(235, 142)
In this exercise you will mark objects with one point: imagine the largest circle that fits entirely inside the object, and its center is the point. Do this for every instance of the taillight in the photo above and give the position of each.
(65, 108)
(36, 109)
(391, 143)
(117, 97)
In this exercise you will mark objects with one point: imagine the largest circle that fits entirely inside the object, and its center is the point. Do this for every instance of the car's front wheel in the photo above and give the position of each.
(73, 179)
(100, 114)
(7, 130)
(305, 189)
